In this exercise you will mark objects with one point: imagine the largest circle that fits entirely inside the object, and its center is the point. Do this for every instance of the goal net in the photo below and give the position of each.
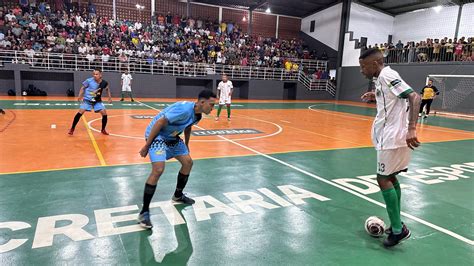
(456, 94)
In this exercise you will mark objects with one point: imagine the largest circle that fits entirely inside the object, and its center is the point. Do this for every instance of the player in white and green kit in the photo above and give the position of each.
(224, 94)
(393, 134)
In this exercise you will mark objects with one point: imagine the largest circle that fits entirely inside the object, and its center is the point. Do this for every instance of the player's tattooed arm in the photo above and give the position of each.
(414, 101)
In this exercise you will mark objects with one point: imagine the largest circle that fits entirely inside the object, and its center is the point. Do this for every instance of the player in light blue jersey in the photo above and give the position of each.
(90, 97)
(163, 143)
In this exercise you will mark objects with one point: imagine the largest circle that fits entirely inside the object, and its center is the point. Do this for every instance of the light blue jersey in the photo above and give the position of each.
(167, 143)
(91, 87)
(92, 97)
(180, 115)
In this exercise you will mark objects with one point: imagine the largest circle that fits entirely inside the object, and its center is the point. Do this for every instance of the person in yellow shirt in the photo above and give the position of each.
(223, 27)
(428, 93)
(288, 65)
(295, 67)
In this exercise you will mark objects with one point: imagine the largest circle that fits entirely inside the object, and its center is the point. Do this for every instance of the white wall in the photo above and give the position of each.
(466, 26)
(419, 25)
(327, 26)
(350, 57)
(366, 22)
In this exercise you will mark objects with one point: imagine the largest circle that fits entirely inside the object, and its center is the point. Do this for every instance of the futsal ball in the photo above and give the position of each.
(374, 226)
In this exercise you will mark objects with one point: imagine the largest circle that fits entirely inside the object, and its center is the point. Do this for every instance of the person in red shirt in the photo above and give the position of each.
(176, 20)
(161, 20)
(458, 51)
(106, 50)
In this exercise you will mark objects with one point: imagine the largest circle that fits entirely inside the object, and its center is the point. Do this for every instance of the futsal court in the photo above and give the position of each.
(282, 183)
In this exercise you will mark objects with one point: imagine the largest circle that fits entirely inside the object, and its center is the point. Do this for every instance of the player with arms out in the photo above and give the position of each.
(90, 97)
(393, 134)
(163, 143)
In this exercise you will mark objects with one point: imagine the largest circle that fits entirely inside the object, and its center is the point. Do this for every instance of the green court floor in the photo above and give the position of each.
(294, 208)
(299, 228)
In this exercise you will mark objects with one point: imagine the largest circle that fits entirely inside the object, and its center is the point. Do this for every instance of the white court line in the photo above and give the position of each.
(329, 182)
(436, 227)
(280, 129)
(335, 113)
(284, 121)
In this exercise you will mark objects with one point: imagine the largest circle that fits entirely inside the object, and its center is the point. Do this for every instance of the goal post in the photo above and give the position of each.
(456, 94)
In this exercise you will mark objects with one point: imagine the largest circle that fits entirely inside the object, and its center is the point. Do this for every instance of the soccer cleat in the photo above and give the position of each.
(144, 220)
(71, 131)
(426, 116)
(217, 118)
(183, 199)
(419, 115)
(393, 239)
(2, 112)
(104, 132)
(133, 100)
(228, 118)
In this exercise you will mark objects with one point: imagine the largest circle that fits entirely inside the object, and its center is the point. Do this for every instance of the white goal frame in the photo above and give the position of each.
(449, 76)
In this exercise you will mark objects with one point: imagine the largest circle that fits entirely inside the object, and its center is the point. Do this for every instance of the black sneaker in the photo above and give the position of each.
(393, 239)
(388, 231)
(144, 220)
(183, 199)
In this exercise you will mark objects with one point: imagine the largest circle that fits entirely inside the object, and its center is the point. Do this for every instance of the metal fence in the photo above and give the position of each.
(76, 62)
(430, 54)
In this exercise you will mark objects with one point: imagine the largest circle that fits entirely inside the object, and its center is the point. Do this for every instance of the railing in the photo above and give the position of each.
(316, 84)
(428, 54)
(135, 64)
(76, 62)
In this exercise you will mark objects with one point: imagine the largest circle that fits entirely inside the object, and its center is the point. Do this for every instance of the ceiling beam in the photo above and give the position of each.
(427, 3)
(257, 5)
(374, 7)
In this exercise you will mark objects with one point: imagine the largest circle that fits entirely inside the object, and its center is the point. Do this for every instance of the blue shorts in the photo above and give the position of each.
(87, 105)
(161, 150)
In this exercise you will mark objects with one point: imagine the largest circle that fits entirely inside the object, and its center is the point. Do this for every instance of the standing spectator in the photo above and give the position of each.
(92, 9)
(436, 50)
(449, 50)
(458, 51)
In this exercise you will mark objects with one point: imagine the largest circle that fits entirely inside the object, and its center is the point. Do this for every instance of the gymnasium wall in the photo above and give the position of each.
(7, 81)
(156, 86)
(327, 25)
(427, 23)
(372, 24)
(466, 25)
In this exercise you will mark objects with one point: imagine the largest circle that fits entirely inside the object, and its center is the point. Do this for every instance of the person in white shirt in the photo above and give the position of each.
(393, 134)
(224, 95)
(127, 85)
